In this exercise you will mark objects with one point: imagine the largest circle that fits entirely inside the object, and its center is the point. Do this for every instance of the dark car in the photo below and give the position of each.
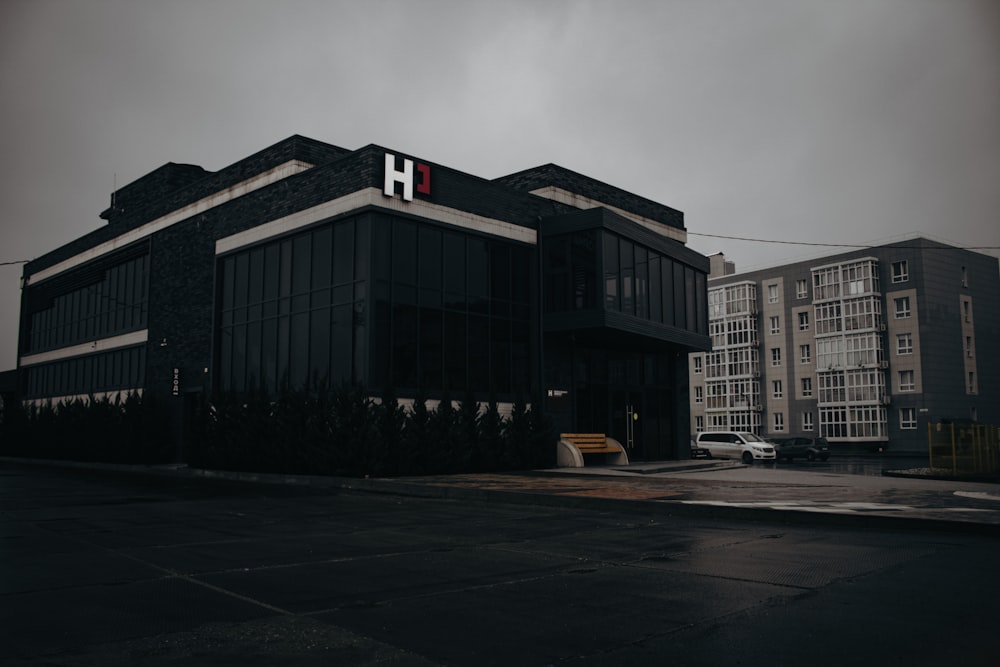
(699, 452)
(801, 448)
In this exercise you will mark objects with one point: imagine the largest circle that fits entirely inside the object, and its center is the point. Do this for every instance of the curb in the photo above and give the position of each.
(663, 508)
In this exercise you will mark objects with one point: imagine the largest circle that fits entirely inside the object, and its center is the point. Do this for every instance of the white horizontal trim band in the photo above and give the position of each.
(579, 201)
(259, 181)
(93, 347)
(374, 197)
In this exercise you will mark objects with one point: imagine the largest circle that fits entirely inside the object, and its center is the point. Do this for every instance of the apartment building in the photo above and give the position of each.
(865, 348)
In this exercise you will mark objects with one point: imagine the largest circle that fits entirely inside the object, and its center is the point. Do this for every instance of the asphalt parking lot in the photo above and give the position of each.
(115, 568)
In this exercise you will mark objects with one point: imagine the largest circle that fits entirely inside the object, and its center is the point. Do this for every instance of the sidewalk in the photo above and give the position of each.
(706, 488)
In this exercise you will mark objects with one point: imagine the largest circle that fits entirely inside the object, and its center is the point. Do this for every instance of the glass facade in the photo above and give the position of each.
(94, 374)
(106, 299)
(380, 301)
(635, 280)
(99, 304)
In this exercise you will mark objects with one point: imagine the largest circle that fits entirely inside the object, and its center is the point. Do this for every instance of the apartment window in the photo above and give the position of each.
(902, 305)
(775, 325)
(697, 364)
(801, 288)
(900, 272)
(906, 381)
(805, 354)
(904, 343)
(804, 321)
(699, 424)
(807, 387)
(967, 310)
(908, 418)
(777, 391)
(779, 421)
(699, 394)
(772, 294)
(973, 389)
(965, 277)
(775, 356)
(968, 346)
(807, 421)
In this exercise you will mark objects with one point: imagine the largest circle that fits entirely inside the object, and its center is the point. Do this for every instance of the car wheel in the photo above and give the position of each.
(747, 458)
(811, 456)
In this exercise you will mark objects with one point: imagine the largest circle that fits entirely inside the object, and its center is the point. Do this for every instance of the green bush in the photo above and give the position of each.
(344, 432)
(133, 430)
(315, 430)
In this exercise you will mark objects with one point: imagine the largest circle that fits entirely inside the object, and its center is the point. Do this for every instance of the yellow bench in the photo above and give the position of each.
(572, 446)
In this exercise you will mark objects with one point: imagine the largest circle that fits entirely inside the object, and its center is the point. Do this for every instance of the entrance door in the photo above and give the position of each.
(627, 409)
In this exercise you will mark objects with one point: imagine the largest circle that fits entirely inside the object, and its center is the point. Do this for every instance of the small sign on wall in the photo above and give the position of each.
(175, 389)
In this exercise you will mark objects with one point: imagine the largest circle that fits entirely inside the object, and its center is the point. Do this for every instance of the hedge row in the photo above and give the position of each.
(129, 430)
(320, 431)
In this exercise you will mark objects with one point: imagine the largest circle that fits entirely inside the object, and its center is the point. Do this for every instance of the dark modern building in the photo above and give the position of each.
(864, 348)
(306, 262)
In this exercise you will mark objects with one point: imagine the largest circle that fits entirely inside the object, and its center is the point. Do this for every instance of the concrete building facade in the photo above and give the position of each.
(863, 348)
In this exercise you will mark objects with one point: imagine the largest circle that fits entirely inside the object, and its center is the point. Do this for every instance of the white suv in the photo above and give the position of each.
(735, 445)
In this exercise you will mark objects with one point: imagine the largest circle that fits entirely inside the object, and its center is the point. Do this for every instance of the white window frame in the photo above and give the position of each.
(775, 325)
(804, 320)
(805, 354)
(802, 288)
(901, 338)
(698, 364)
(779, 422)
(901, 305)
(775, 356)
(772, 293)
(807, 387)
(900, 271)
(910, 384)
(807, 421)
(777, 389)
(699, 394)
(908, 418)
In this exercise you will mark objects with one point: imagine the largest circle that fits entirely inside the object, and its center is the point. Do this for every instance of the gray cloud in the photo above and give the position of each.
(851, 122)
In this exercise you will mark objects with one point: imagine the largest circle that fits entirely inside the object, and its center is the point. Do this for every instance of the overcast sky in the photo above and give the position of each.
(820, 121)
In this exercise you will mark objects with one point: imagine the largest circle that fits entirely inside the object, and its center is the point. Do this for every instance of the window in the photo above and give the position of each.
(900, 272)
(801, 288)
(965, 277)
(699, 394)
(779, 421)
(697, 364)
(908, 418)
(775, 356)
(804, 321)
(973, 389)
(772, 294)
(902, 305)
(805, 354)
(775, 325)
(776, 389)
(904, 343)
(968, 346)
(807, 421)
(906, 381)
(699, 424)
(967, 310)
(807, 387)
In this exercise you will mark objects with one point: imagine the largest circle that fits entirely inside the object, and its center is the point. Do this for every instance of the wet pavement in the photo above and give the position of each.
(690, 563)
(813, 488)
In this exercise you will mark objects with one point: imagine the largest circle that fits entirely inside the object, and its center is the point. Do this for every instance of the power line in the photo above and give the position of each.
(844, 245)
